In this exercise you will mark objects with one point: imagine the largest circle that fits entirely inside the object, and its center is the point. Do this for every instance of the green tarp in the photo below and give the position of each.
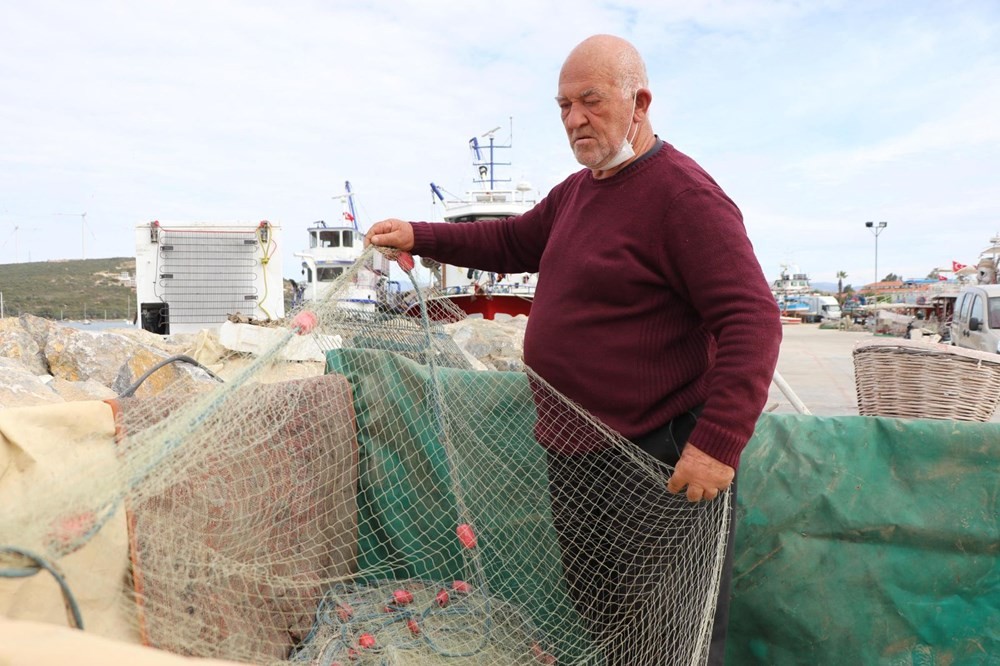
(867, 541)
(859, 540)
(407, 509)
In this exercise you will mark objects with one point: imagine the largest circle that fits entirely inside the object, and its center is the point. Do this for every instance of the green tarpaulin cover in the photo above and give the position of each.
(407, 513)
(866, 540)
(859, 540)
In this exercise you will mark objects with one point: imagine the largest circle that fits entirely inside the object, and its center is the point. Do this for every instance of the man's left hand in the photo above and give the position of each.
(702, 475)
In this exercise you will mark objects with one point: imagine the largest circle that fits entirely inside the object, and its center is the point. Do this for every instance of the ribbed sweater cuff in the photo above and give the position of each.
(718, 442)
(423, 239)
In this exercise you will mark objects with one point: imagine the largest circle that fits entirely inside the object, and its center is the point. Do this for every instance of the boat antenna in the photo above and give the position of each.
(483, 169)
(350, 204)
(350, 214)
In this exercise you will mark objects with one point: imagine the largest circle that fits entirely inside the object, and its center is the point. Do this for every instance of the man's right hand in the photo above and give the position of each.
(391, 233)
(703, 476)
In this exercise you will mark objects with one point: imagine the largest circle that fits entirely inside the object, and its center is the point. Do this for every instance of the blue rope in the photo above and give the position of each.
(73, 610)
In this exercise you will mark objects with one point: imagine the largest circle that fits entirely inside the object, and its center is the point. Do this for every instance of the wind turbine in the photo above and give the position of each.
(83, 228)
(15, 234)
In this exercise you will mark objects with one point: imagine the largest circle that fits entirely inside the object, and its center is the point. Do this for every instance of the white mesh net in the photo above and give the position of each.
(400, 509)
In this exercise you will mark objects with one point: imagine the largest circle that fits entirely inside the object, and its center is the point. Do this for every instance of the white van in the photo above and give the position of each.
(976, 322)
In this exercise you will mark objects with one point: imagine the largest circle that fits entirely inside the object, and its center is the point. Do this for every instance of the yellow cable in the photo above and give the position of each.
(265, 259)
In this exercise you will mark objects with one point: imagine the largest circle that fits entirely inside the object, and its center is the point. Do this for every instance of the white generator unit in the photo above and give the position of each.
(191, 276)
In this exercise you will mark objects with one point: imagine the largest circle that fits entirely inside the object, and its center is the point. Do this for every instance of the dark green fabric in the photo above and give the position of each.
(859, 540)
(408, 510)
(867, 541)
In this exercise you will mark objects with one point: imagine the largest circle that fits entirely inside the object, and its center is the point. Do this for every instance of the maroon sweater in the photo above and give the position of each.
(650, 300)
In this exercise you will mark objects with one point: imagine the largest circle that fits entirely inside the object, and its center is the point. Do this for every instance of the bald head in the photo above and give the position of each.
(612, 57)
(604, 102)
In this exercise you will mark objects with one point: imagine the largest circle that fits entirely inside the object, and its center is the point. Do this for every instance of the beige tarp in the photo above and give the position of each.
(34, 454)
(37, 644)
(62, 454)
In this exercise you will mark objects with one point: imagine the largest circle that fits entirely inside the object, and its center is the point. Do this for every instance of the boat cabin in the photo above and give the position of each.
(332, 252)
(346, 237)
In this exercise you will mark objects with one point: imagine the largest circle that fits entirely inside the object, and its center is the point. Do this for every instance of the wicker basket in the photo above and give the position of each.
(909, 379)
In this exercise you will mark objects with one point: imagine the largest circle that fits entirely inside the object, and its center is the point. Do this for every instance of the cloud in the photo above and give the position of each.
(814, 116)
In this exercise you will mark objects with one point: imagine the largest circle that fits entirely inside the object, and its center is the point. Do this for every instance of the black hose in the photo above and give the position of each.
(38, 563)
(127, 393)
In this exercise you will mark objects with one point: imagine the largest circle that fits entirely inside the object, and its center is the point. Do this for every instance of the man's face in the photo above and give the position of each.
(594, 113)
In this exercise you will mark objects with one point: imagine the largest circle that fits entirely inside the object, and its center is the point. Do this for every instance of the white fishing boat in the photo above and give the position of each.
(478, 292)
(790, 284)
(333, 249)
(790, 290)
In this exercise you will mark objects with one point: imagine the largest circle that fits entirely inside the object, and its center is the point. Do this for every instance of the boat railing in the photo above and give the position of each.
(502, 288)
(520, 289)
(491, 196)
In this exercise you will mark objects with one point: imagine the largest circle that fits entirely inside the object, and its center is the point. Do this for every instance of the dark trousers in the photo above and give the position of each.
(625, 541)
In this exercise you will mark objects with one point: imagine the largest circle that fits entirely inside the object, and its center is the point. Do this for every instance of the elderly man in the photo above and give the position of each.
(651, 310)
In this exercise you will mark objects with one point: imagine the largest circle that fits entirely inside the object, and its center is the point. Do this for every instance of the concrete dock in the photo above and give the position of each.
(818, 365)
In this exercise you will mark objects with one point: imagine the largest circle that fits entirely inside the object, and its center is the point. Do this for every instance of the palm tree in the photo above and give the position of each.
(840, 286)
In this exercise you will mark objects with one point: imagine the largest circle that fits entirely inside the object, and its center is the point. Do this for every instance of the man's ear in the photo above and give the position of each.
(643, 98)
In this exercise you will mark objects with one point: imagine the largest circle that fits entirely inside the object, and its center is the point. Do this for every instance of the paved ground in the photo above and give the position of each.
(818, 365)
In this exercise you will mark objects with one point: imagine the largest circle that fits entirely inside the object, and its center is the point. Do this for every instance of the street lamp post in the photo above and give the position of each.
(876, 228)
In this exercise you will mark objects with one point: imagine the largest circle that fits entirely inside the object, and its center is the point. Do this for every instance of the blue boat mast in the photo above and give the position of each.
(485, 166)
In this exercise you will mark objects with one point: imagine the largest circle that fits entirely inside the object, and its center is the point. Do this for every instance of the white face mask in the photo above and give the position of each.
(626, 152)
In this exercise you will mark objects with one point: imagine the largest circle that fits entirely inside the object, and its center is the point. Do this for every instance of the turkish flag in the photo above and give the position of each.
(955, 266)
(942, 278)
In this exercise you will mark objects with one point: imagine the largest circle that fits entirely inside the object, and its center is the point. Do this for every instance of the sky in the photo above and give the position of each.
(815, 117)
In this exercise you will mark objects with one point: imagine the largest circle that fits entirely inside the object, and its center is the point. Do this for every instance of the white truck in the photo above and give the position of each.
(821, 308)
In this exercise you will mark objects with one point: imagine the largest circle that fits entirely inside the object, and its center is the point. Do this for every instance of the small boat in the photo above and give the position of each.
(477, 292)
(334, 249)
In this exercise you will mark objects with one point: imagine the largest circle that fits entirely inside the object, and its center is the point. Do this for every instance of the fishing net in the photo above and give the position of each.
(402, 508)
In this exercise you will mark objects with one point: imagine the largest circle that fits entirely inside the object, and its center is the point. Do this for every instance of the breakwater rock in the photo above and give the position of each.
(43, 361)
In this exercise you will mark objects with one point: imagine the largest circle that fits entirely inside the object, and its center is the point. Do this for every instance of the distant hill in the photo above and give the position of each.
(74, 289)
(825, 286)
(70, 289)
